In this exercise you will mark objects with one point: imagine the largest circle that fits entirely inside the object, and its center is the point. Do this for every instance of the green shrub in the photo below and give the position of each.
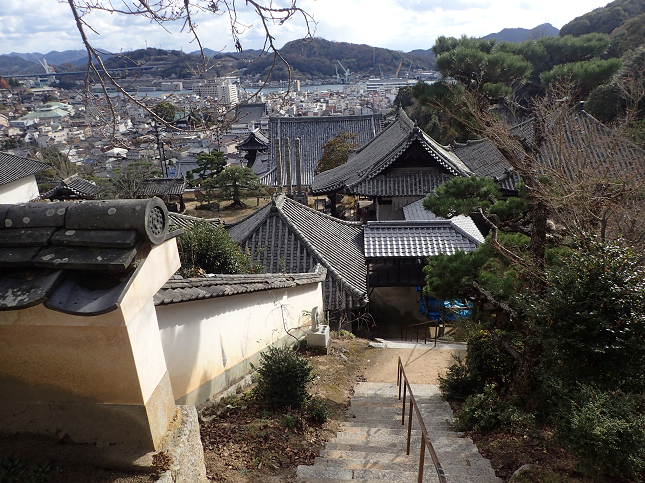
(480, 412)
(487, 411)
(457, 384)
(592, 322)
(318, 410)
(204, 248)
(606, 432)
(289, 421)
(486, 364)
(283, 377)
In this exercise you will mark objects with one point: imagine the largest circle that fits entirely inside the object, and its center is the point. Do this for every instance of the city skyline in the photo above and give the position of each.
(46, 25)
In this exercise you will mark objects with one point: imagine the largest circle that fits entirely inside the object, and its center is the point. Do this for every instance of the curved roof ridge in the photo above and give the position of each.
(449, 155)
(321, 258)
(409, 124)
(319, 213)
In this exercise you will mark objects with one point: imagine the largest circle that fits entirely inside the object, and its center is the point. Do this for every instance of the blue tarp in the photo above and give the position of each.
(452, 309)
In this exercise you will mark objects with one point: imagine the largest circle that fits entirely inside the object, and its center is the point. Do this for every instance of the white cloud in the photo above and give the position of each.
(45, 25)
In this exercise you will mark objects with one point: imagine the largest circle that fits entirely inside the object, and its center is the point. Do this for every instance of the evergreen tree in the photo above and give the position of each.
(336, 151)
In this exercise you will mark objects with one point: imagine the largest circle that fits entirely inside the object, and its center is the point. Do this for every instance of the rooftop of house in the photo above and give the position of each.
(359, 174)
(287, 236)
(254, 141)
(591, 148)
(179, 289)
(313, 133)
(13, 168)
(76, 257)
(73, 187)
(247, 113)
(416, 212)
(161, 187)
(416, 239)
(186, 221)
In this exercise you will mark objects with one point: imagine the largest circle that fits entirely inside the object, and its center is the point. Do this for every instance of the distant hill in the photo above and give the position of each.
(318, 58)
(605, 19)
(15, 65)
(518, 35)
(53, 58)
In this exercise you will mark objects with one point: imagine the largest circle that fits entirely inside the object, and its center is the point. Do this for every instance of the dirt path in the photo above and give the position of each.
(422, 363)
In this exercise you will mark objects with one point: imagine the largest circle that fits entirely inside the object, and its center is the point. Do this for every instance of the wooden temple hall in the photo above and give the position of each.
(392, 172)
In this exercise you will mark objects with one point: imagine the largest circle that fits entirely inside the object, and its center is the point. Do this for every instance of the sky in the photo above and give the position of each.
(46, 25)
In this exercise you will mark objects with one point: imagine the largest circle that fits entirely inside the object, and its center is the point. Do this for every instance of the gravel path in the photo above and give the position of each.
(422, 362)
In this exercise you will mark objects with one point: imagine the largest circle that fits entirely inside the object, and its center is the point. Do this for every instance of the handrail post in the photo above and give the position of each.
(425, 438)
(407, 451)
(422, 456)
(403, 410)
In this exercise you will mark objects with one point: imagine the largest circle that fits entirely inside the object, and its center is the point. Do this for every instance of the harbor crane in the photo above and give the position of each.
(347, 73)
(396, 76)
(338, 79)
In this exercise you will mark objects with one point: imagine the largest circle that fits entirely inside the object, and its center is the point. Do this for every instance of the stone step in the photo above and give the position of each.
(334, 480)
(447, 455)
(409, 466)
(424, 408)
(432, 425)
(396, 406)
(413, 479)
(393, 400)
(479, 467)
(306, 473)
(394, 435)
(428, 417)
(445, 444)
(370, 445)
(369, 430)
(474, 461)
(313, 474)
(421, 392)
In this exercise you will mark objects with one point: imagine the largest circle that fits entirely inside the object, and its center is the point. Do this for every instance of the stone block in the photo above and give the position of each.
(320, 339)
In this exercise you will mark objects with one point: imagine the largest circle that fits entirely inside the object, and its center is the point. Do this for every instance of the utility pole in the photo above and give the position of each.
(162, 152)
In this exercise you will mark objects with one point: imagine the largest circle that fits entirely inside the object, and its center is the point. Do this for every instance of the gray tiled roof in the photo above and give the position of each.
(416, 212)
(186, 221)
(484, 159)
(286, 236)
(250, 112)
(161, 187)
(407, 183)
(254, 141)
(75, 257)
(187, 289)
(405, 239)
(74, 187)
(379, 154)
(13, 168)
(587, 141)
(313, 133)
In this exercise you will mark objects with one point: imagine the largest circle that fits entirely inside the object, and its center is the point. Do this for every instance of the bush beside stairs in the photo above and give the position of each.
(370, 446)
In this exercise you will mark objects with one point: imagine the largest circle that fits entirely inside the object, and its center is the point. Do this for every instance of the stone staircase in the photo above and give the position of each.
(370, 447)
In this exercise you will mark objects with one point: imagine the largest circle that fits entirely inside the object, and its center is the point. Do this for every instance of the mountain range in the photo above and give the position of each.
(518, 35)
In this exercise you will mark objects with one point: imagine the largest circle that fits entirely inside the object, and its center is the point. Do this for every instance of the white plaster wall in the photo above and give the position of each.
(388, 213)
(147, 349)
(203, 338)
(20, 191)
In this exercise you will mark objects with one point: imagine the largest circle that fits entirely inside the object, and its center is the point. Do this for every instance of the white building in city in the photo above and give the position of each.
(222, 89)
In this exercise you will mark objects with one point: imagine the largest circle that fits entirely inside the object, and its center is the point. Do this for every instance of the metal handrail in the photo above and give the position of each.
(402, 380)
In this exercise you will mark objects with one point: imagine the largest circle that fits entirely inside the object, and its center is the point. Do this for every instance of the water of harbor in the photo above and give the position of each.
(248, 90)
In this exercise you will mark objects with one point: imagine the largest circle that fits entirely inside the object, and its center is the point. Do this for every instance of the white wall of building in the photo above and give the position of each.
(208, 344)
(20, 191)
